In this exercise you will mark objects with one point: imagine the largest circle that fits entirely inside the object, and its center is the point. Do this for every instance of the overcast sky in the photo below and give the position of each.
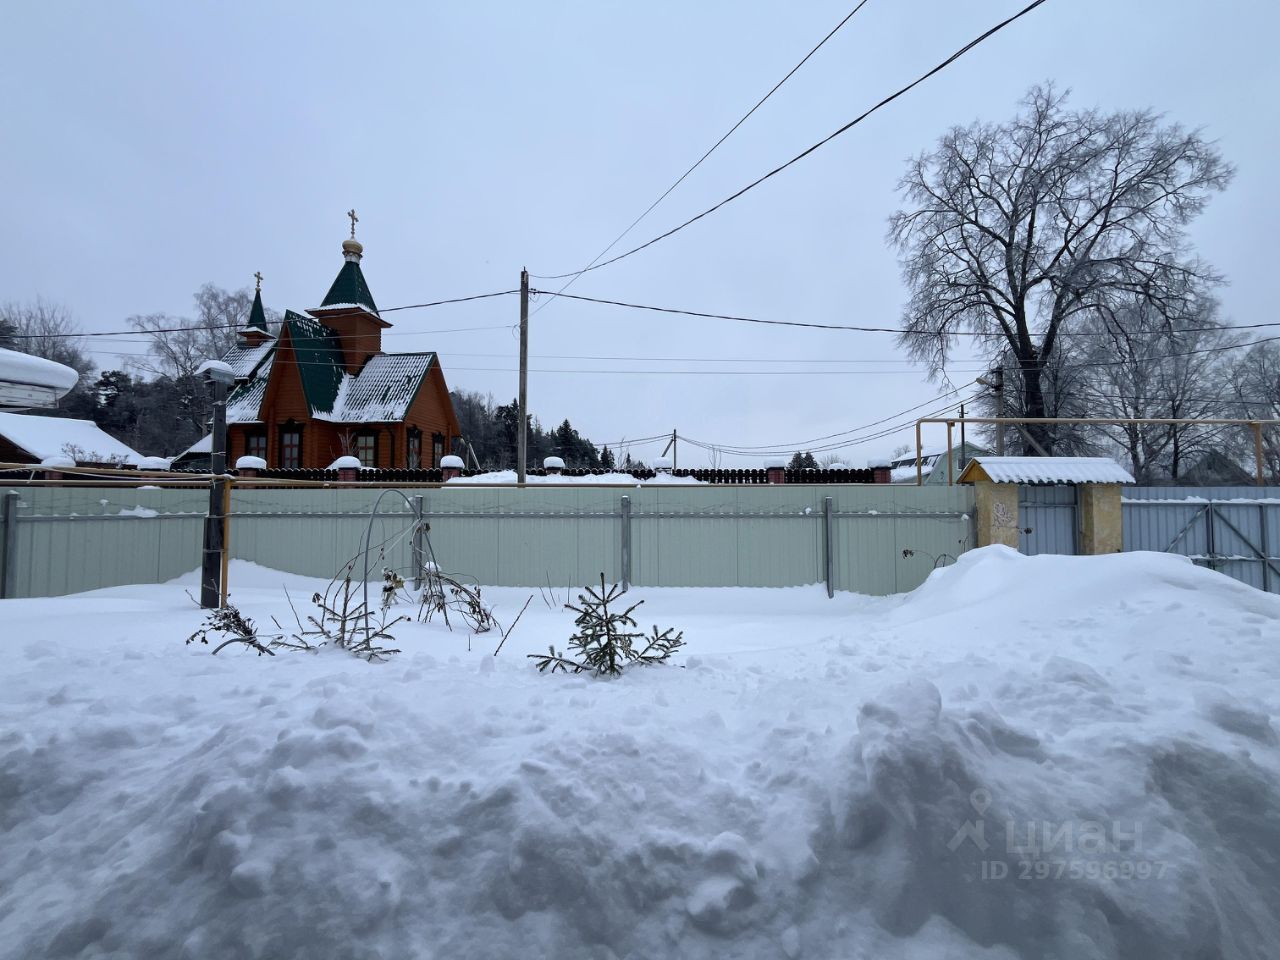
(152, 147)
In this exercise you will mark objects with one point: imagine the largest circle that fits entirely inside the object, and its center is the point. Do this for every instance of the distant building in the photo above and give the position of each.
(28, 439)
(325, 388)
(198, 456)
(933, 463)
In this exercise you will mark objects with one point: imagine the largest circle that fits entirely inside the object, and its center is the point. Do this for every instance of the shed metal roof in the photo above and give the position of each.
(1046, 470)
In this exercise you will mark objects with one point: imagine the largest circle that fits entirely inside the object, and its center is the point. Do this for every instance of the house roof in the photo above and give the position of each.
(24, 368)
(1045, 470)
(53, 436)
(245, 403)
(350, 289)
(244, 359)
(382, 391)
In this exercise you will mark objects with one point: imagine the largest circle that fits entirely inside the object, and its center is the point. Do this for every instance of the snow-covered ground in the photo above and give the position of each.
(1045, 757)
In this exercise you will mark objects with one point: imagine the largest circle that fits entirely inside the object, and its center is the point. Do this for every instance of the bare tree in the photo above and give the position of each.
(1139, 364)
(1019, 231)
(1255, 387)
(179, 345)
(45, 329)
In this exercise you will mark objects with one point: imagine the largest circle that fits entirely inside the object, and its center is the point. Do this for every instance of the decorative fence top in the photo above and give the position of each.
(704, 475)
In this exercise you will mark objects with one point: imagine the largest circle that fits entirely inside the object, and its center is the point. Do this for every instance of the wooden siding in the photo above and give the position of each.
(323, 442)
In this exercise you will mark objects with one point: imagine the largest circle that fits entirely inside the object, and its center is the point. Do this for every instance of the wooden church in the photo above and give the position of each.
(324, 387)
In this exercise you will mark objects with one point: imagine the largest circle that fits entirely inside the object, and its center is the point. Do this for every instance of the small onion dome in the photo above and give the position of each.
(352, 249)
(774, 463)
(153, 463)
(553, 463)
(345, 463)
(58, 460)
(838, 466)
(451, 463)
(255, 463)
(663, 464)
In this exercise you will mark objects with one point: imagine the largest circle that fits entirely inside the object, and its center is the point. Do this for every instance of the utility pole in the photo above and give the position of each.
(964, 450)
(672, 445)
(1000, 408)
(522, 444)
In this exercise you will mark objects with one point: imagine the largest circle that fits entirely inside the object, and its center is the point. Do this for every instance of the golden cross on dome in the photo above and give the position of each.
(258, 276)
(354, 220)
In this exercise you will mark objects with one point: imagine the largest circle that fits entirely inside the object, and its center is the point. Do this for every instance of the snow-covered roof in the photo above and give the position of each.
(51, 436)
(368, 308)
(1047, 470)
(203, 445)
(18, 367)
(244, 359)
(908, 473)
(245, 404)
(381, 391)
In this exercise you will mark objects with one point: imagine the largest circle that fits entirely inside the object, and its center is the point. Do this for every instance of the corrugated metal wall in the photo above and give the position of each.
(69, 539)
(1235, 530)
(883, 539)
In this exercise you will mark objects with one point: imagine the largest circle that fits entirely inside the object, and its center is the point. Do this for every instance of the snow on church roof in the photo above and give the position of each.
(54, 436)
(1046, 470)
(382, 391)
(244, 359)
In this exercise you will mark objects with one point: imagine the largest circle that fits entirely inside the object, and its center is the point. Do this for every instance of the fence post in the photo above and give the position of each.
(417, 542)
(626, 543)
(1266, 550)
(1209, 538)
(827, 546)
(9, 545)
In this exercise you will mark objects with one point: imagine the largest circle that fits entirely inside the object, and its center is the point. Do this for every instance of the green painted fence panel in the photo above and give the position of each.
(73, 539)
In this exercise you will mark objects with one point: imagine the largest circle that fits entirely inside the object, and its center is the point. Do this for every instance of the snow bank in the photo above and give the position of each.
(1047, 757)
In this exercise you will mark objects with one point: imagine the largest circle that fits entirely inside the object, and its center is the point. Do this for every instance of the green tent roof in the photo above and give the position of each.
(349, 288)
(257, 316)
(320, 362)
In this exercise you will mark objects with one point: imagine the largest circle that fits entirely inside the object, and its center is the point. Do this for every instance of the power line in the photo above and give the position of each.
(791, 445)
(572, 277)
(240, 326)
(821, 143)
(868, 329)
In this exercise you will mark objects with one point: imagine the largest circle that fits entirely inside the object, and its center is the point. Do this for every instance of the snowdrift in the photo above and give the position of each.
(1042, 757)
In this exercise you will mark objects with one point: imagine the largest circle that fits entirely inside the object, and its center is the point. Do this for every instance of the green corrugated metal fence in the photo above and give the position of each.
(72, 539)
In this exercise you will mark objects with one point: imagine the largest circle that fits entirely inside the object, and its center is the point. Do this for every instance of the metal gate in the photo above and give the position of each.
(1047, 515)
(1236, 535)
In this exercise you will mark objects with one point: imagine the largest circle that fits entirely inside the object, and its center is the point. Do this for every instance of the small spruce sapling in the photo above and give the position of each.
(606, 641)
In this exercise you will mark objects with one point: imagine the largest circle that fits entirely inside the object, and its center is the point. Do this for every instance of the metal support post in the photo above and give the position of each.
(626, 543)
(827, 547)
(9, 547)
(417, 542)
(1265, 548)
(211, 565)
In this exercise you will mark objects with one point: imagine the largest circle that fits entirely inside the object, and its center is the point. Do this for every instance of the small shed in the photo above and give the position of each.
(1097, 481)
